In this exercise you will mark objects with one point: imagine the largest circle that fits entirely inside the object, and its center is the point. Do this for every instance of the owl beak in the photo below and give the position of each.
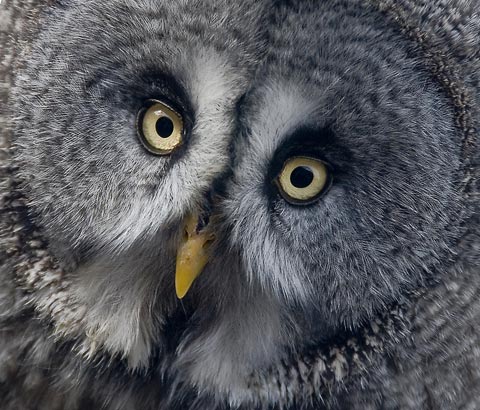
(192, 254)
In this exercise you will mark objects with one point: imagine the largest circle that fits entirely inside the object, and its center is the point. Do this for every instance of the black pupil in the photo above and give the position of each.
(164, 127)
(301, 177)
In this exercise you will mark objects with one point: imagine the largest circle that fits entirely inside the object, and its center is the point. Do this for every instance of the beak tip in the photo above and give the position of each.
(180, 294)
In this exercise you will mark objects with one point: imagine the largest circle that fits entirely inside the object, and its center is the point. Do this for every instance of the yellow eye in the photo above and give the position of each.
(302, 180)
(160, 128)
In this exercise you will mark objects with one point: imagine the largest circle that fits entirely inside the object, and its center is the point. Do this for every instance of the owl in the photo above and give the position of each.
(219, 205)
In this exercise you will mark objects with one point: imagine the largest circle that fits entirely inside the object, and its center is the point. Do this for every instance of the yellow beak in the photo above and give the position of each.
(192, 256)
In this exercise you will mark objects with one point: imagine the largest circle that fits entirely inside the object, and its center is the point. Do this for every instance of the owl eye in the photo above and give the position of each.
(160, 128)
(303, 180)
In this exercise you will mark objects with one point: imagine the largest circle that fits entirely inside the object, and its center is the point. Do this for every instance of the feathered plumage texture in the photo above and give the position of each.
(418, 351)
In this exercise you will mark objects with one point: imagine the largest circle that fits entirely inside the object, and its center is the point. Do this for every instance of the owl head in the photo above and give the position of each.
(225, 185)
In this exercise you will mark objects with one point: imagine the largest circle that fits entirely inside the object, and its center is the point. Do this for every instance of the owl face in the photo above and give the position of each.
(319, 169)
(358, 103)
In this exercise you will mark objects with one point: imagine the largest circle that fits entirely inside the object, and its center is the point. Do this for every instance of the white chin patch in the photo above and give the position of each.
(119, 310)
(246, 336)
